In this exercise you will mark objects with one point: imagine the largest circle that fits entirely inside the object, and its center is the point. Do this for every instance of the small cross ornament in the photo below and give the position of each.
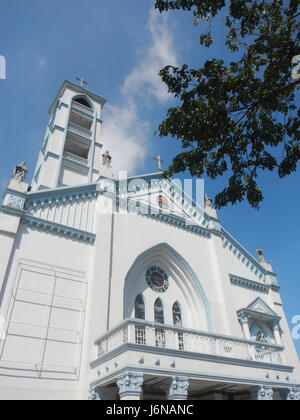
(159, 161)
(81, 81)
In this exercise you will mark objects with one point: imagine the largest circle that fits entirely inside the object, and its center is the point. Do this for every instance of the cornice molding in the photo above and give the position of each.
(58, 229)
(249, 284)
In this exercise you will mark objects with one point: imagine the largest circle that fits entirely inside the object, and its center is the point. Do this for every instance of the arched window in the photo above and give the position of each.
(159, 312)
(177, 315)
(177, 321)
(139, 313)
(139, 307)
(81, 100)
(160, 339)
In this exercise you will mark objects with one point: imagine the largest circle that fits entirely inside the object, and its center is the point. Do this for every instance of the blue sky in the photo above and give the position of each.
(119, 46)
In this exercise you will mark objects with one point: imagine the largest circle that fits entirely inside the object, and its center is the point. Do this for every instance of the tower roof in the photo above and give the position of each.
(79, 89)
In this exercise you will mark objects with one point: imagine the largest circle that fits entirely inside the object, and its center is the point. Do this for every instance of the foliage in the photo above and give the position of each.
(240, 118)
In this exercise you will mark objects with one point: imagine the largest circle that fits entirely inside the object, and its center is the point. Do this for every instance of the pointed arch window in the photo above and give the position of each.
(139, 307)
(177, 315)
(139, 313)
(177, 321)
(82, 101)
(159, 317)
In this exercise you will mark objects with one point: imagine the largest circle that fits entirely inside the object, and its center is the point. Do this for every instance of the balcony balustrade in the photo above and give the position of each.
(141, 333)
(79, 131)
(82, 109)
(76, 159)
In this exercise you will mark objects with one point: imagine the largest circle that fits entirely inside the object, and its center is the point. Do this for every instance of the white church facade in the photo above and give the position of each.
(128, 289)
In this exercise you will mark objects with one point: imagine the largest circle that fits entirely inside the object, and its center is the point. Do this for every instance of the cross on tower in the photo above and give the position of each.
(159, 161)
(82, 81)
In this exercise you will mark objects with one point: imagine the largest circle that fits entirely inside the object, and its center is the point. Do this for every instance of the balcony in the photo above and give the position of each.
(140, 335)
(82, 109)
(80, 132)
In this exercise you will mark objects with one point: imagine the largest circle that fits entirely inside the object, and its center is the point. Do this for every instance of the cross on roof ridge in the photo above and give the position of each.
(82, 81)
(159, 161)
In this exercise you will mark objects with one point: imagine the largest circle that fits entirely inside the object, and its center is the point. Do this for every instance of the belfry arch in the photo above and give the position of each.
(184, 288)
(83, 100)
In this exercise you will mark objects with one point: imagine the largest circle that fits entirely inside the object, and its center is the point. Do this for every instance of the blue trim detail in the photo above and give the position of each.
(75, 164)
(92, 151)
(57, 127)
(12, 210)
(194, 375)
(79, 137)
(249, 284)
(262, 302)
(51, 154)
(154, 213)
(63, 193)
(189, 270)
(84, 114)
(14, 192)
(59, 229)
(243, 251)
(160, 351)
(80, 90)
(62, 148)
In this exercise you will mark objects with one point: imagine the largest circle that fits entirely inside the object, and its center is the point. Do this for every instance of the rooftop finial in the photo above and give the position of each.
(81, 81)
(106, 159)
(159, 161)
(260, 255)
(20, 172)
(207, 201)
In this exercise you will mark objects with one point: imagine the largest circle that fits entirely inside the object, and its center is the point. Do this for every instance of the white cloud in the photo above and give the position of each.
(124, 133)
(145, 77)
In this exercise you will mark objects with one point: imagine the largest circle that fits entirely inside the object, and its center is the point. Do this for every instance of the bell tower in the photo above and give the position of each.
(71, 151)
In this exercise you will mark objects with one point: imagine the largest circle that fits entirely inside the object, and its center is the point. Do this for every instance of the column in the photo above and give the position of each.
(290, 394)
(177, 388)
(130, 386)
(244, 320)
(262, 393)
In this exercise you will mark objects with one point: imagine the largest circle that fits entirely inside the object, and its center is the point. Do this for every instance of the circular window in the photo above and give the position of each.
(157, 279)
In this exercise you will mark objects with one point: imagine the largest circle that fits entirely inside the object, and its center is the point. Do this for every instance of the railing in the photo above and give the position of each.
(76, 159)
(142, 333)
(80, 131)
(82, 108)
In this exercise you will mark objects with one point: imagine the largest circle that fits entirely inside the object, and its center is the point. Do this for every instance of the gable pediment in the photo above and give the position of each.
(261, 307)
(163, 196)
(258, 309)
